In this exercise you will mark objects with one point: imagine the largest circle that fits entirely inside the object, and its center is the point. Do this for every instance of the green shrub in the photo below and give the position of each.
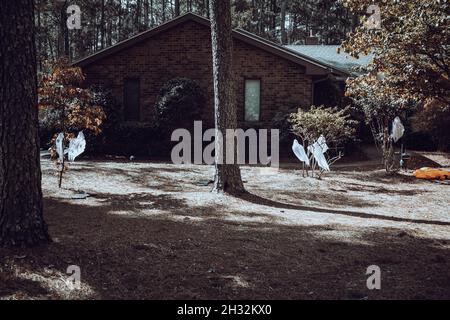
(179, 104)
(332, 123)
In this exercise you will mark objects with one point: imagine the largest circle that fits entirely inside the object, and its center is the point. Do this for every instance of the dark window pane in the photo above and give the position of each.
(132, 97)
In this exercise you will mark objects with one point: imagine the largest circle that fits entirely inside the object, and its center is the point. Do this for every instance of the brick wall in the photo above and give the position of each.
(185, 51)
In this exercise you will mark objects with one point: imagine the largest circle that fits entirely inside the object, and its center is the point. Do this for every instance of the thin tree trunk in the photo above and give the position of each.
(63, 33)
(227, 176)
(152, 18)
(102, 25)
(284, 39)
(208, 9)
(273, 8)
(146, 14)
(177, 8)
(119, 23)
(39, 36)
(21, 208)
(163, 10)
(138, 15)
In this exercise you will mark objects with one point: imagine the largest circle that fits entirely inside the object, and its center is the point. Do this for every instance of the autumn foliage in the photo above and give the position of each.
(410, 70)
(411, 47)
(64, 104)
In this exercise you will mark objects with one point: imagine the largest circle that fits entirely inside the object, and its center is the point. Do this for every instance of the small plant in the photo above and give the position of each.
(320, 124)
(65, 108)
(380, 105)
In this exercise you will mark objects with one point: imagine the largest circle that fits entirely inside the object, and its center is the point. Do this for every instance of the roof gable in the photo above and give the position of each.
(313, 66)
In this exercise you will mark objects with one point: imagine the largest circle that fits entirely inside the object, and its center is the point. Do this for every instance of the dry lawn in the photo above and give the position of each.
(155, 231)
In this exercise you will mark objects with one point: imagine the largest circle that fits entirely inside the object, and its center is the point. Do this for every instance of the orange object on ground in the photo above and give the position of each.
(432, 174)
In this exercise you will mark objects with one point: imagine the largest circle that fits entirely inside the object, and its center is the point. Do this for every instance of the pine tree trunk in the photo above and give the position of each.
(207, 9)
(284, 39)
(39, 36)
(21, 209)
(163, 10)
(177, 8)
(63, 39)
(227, 176)
(102, 25)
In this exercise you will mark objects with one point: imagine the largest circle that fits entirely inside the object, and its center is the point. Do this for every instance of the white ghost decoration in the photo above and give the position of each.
(59, 146)
(397, 129)
(300, 153)
(323, 143)
(77, 146)
(317, 152)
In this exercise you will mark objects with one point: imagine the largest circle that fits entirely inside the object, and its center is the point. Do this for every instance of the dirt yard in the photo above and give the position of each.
(155, 231)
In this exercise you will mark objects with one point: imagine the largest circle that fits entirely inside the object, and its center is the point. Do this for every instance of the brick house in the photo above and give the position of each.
(267, 76)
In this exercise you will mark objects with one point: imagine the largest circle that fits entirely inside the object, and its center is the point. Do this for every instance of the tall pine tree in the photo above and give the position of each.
(228, 176)
(21, 209)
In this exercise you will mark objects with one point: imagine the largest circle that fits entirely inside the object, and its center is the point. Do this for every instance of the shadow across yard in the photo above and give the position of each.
(253, 198)
(12, 285)
(125, 253)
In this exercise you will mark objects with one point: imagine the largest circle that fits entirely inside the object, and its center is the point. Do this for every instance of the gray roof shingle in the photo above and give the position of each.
(328, 55)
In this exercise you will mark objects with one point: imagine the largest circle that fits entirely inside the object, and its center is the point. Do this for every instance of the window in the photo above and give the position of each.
(252, 100)
(131, 98)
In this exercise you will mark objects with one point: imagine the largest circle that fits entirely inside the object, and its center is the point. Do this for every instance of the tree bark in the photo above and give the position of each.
(177, 8)
(227, 176)
(39, 38)
(21, 208)
(163, 10)
(102, 25)
(207, 9)
(63, 32)
(284, 38)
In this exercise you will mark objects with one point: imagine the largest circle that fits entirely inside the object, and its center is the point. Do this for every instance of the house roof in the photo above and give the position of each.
(313, 66)
(329, 55)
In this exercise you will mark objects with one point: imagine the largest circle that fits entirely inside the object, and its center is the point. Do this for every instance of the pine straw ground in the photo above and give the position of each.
(152, 231)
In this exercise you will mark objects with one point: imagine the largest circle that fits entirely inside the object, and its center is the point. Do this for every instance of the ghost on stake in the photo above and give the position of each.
(314, 156)
(316, 129)
(76, 147)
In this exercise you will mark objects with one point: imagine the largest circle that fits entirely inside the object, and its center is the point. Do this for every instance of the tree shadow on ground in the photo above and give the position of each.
(153, 177)
(11, 285)
(334, 198)
(358, 187)
(256, 199)
(389, 178)
(161, 256)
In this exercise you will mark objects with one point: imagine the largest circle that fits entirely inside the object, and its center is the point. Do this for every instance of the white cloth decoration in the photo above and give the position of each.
(77, 146)
(323, 143)
(317, 152)
(59, 146)
(397, 129)
(299, 152)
